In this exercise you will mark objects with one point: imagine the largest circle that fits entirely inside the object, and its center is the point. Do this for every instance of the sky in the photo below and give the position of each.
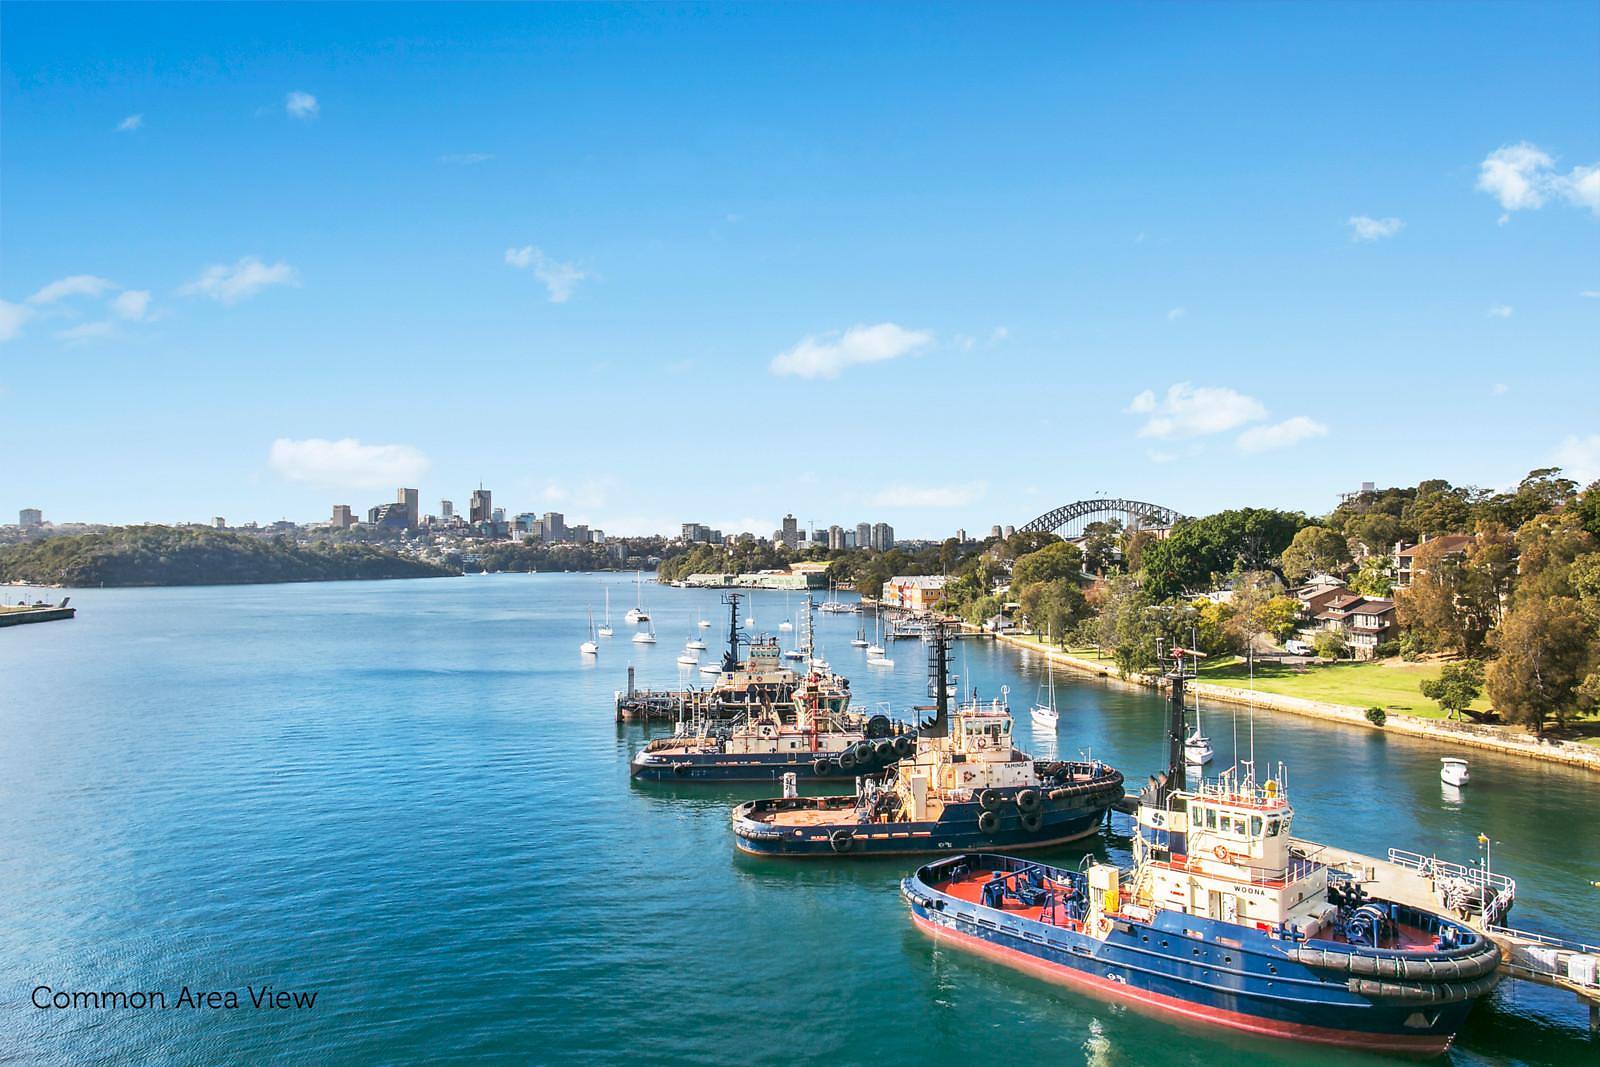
(936, 266)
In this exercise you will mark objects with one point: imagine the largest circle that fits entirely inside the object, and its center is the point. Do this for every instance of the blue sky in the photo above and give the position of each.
(936, 266)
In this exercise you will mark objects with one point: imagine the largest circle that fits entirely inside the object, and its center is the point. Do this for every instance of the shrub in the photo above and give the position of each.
(1387, 649)
(1377, 716)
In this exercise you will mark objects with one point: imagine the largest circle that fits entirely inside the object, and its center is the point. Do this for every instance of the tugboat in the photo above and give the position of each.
(766, 721)
(965, 786)
(1222, 919)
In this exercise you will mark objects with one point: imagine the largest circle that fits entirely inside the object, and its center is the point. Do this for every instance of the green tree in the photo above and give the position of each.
(1457, 686)
(1279, 617)
(1330, 644)
(1101, 545)
(1048, 564)
(1545, 653)
(1314, 549)
(1375, 576)
(1198, 551)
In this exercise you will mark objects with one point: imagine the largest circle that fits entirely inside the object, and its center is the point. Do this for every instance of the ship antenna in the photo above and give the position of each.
(939, 679)
(730, 658)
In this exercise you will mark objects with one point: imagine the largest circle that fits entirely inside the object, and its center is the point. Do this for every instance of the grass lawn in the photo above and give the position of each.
(1389, 684)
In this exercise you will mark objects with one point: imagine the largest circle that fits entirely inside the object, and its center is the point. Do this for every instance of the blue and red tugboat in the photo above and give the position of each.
(1220, 920)
(964, 785)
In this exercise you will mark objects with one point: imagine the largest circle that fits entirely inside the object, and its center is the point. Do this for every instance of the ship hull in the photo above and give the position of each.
(722, 767)
(1068, 819)
(1188, 968)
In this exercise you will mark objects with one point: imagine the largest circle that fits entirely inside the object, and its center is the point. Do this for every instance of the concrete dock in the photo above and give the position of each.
(19, 614)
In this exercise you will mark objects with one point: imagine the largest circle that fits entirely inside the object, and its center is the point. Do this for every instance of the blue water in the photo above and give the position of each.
(412, 798)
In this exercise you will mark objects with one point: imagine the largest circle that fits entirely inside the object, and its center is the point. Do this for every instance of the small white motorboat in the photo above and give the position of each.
(689, 659)
(705, 624)
(879, 661)
(1453, 771)
(785, 626)
(710, 668)
(646, 636)
(695, 645)
(1197, 749)
(793, 653)
(820, 664)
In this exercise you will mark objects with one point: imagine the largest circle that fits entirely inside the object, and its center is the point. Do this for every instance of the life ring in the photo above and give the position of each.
(983, 742)
(1105, 925)
(841, 840)
(988, 822)
(1221, 852)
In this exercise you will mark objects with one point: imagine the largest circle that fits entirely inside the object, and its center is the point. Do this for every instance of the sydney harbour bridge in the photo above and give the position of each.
(1068, 520)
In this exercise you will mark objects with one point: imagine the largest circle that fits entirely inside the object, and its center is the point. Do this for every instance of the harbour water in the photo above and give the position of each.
(411, 798)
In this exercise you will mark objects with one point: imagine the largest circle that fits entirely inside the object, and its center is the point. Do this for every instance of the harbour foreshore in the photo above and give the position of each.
(1468, 735)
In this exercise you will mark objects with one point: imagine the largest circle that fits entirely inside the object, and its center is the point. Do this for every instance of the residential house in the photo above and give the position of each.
(1405, 555)
(918, 592)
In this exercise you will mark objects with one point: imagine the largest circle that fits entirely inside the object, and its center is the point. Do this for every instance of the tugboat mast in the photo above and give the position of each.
(939, 681)
(730, 658)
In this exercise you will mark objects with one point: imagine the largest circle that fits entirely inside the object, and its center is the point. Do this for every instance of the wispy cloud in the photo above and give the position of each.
(936, 496)
(1177, 313)
(231, 284)
(130, 124)
(1579, 457)
(74, 285)
(466, 159)
(1501, 311)
(12, 319)
(827, 355)
(1523, 177)
(302, 105)
(1499, 389)
(1290, 431)
(1190, 411)
(346, 463)
(86, 331)
(131, 304)
(559, 279)
(998, 334)
(1590, 294)
(1366, 228)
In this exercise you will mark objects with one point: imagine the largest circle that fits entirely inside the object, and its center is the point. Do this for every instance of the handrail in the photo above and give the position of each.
(1543, 939)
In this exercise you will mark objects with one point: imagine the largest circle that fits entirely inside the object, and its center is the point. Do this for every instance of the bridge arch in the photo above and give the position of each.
(1068, 520)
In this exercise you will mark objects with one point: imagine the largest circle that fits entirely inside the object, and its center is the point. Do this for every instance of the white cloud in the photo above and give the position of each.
(1501, 311)
(131, 123)
(229, 285)
(75, 285)
(12, 317)
(939, 496)
(1366, 228)
(131, 304)
(1187, 411)
(302, 105)
(1590, 294)
(346, 463)
(1499, 389)
(86, 331)
(559, 279)
(1579, 458)
(466, 159)
(998, 334)
(826, 356)
(964, 341)
(1290, 431)
(1177, 313)
(1523, 177)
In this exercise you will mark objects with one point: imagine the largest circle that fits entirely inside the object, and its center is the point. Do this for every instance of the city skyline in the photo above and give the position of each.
(704, 268)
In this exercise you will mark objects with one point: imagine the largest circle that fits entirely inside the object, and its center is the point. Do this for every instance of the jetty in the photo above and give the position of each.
(18, 614)
(661, 705)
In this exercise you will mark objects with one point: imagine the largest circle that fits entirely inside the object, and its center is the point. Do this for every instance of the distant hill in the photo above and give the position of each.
(165, 555)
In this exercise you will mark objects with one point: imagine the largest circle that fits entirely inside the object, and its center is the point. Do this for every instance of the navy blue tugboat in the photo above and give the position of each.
(964, 786)
(1222, 919)
(764, 720)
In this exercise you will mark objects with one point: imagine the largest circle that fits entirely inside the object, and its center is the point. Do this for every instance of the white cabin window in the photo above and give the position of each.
(1255, 826)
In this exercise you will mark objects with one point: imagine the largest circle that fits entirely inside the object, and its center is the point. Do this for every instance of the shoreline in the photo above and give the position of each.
(1466, 735)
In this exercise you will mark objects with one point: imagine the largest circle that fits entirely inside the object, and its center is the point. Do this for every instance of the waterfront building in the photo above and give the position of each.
(694, 532)
(30, 517)
(790, 534)
(447, 511)
(578, 535)
(407, 498)
(1452, 545)
(392, 516)
(482, 509)
(916, 592)
(555, 526)
(597, 537)
(882, 537)
(342, 517)
(835, 537)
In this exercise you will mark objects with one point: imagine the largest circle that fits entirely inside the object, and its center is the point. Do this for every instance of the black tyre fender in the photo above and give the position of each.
(819, 766)
(1032, 821)
(1028, 800)
(883, 750)
(879, 726)
(991, 799)
(988, 822)
(904, 746)
(680, 769)
(842, 840)
(847, 759)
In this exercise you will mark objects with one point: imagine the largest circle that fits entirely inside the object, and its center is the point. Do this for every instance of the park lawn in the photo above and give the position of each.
(1388, 684)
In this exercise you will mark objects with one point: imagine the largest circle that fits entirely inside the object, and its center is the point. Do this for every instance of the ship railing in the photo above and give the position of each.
(1499, 892)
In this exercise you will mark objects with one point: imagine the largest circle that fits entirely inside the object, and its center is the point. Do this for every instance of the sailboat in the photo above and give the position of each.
(695, 644)
(590, 647)
(637, 613)
(688, 658)
(1044, 712)
(606, 630)
(860, 639)
(705, 624)
(833, 605)
(876, 648)
(647, 636)
(785, 626)
(1197, 746)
